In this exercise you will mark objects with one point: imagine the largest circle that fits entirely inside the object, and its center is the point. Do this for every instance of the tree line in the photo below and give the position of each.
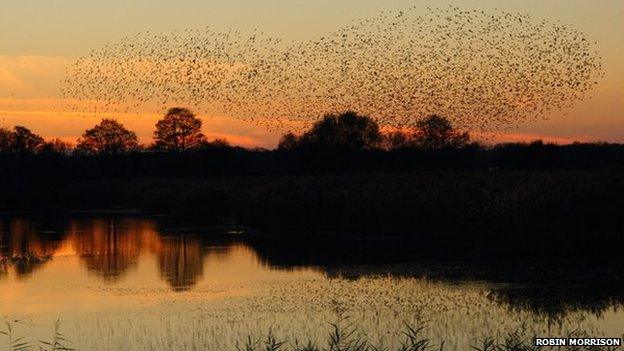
(349, 131)
(180, 131)
(337, 143)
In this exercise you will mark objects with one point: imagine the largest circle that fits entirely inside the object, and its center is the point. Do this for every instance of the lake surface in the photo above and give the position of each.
(139, 283)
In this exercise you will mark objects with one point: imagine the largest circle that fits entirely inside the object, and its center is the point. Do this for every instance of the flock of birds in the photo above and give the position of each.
(483, 70)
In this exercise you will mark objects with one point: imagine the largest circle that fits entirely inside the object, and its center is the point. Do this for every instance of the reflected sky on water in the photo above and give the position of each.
(160, 280)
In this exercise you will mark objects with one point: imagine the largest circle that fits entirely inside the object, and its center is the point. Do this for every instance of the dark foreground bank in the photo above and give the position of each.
(569, 212)
(516, 198)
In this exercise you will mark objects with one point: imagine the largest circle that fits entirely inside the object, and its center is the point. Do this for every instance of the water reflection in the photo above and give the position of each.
(23, 247)
(181, 261)
(552, 288)
(111, 247)
(108, 248)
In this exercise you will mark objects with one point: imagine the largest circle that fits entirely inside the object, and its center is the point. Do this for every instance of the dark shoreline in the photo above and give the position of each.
(510, 211)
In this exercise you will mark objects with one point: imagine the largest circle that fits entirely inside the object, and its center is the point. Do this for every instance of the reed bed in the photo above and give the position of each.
(340, 337)
(412, 339)
(376, 311)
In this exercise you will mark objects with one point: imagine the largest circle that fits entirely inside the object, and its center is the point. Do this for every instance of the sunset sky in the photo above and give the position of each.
(40, 38)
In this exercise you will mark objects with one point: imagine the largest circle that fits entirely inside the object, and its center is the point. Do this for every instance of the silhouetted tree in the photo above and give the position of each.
(109, 137)
(179, 130)
(347, 131)
(436, 132)
(288, 142)
(25, 141)
(20, 141)
(7, 139)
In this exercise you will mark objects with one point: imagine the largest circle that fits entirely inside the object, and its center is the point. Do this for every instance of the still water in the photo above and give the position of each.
(138, 283)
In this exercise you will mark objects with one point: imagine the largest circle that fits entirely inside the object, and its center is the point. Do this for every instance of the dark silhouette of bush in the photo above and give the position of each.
(288, 142)
(219, 143)
(396, 140)
(436, 132)
(109, 137)
(57, 146)
(178, 131)
(347, 131)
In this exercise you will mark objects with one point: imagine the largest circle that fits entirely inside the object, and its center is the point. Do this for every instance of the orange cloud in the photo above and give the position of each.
(31, 75)
(8, 80)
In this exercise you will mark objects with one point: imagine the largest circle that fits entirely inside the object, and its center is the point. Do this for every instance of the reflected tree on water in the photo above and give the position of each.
(21, 247)
(181, 261)
(111, 247)
(108, 247)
